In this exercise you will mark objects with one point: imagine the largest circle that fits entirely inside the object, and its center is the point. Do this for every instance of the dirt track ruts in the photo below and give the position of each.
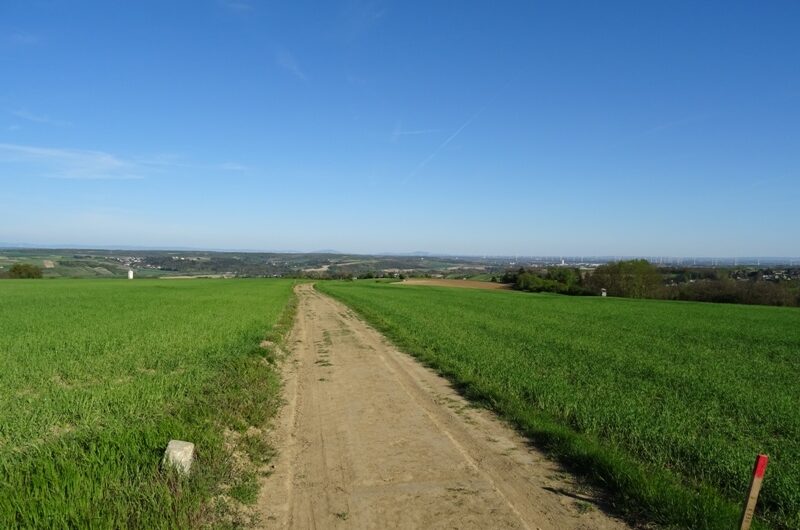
(369, 438)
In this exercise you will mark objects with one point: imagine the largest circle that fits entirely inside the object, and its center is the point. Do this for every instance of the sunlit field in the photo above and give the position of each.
(664, 404)
(96, 376)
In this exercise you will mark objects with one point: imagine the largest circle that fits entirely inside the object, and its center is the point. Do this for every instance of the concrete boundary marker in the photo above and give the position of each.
(179, 455)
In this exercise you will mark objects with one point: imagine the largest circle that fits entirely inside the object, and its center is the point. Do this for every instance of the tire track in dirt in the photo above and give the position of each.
(369, 438)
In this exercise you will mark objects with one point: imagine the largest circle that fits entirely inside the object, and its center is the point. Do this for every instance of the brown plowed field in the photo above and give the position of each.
(471, 284)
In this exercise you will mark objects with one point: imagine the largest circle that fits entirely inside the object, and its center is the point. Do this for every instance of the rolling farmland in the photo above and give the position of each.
(665, 404)
(97, 375)
(662, 404)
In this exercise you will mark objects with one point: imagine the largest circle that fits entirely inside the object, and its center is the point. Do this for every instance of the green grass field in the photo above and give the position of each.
(96, 376)
(664, 404)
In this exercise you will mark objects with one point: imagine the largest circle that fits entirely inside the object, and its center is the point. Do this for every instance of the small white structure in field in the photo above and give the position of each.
(130, 274)
(179, 455)
(603, 291)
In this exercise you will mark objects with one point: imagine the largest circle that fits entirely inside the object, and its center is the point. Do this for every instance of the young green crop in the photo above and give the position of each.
(96, 376)
(666, 404)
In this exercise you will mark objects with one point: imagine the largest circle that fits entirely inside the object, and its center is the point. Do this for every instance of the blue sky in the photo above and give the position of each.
(576, 128)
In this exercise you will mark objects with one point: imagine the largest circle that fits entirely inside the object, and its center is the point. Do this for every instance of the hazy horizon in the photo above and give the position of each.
(414, 253)
(517, 129)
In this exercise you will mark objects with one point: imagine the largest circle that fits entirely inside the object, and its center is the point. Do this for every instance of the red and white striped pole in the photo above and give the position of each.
(759, 468)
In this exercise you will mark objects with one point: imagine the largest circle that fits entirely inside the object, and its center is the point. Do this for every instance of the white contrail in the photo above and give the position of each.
(442, 146)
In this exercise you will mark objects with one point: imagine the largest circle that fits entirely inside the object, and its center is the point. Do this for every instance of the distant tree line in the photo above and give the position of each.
(22, 271)
(244, 265)
(631, 279)
(556, 280)
(641, 279)
(729, 291)
(369, 275)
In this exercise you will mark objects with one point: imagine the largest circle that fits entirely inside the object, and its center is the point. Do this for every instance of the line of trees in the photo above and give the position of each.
(730, 291)
(636, 278)
(557, 280)
(642, 279)
(630, 279)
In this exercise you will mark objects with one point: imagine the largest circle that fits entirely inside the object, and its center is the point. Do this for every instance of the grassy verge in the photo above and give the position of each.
(654, 401)
(97, 376)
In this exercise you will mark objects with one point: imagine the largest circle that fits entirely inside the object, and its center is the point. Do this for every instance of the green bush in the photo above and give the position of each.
(24, 270)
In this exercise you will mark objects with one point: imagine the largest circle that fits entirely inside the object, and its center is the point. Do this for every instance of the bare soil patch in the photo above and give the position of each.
(470, 284)
(188, 277)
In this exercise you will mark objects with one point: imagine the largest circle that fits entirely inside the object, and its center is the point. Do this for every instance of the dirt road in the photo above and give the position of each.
(368, 438)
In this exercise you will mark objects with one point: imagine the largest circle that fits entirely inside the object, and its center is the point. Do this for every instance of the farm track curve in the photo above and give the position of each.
(370, 438)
